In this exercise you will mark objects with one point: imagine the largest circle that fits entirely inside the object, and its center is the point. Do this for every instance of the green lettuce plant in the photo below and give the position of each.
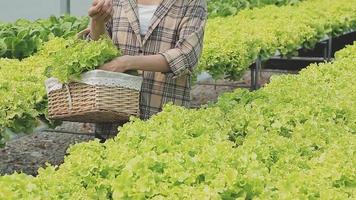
(233, 43)
(23, 38)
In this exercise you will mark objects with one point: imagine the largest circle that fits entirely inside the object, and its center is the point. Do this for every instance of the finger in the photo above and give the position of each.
(102, 17)
(108, 16)
(106, 8)
(93, 11)
(106, 66)
(97, 8)
(95, 2)
(120, 70)
(108, 4)
(100, 4)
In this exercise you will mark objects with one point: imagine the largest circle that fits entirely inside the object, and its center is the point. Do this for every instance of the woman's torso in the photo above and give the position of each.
(158, 88)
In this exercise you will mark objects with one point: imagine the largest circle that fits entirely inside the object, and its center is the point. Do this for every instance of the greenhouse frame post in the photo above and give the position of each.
(255, 73)
(330, 48)
(65, 6)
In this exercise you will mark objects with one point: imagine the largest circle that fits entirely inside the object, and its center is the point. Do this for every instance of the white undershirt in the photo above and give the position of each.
(145, 13)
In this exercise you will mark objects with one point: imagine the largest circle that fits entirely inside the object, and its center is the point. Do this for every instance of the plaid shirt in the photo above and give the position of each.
(176, 32)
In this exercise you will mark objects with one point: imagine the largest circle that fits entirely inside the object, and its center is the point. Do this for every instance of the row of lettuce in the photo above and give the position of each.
(293, 139)
(22, 90)
(223, 8)
(233, 43)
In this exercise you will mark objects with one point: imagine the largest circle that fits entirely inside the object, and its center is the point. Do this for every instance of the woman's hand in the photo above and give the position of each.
(101, 11)
(119, 64)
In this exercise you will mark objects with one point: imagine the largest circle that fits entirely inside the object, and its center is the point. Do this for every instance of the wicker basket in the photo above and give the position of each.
(100, 97)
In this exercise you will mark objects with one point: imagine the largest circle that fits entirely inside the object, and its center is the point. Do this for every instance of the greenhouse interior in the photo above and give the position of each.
(178, 99)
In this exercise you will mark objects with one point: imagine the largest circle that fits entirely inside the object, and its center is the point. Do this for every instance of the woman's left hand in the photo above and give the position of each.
(119, 64)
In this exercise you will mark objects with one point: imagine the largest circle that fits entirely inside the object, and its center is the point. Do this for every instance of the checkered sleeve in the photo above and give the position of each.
(184, 57)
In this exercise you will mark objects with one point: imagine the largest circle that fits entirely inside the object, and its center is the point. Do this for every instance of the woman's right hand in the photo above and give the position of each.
(101, 11)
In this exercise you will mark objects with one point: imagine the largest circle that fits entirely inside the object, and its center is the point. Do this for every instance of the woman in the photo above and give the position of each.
(160, 38)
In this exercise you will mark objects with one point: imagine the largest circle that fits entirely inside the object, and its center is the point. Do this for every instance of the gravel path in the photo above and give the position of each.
(30, 152)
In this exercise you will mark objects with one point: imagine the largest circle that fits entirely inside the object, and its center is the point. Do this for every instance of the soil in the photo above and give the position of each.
(30, 152)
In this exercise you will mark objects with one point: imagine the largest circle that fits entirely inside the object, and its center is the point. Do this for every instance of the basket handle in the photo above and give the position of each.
(69, 97)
